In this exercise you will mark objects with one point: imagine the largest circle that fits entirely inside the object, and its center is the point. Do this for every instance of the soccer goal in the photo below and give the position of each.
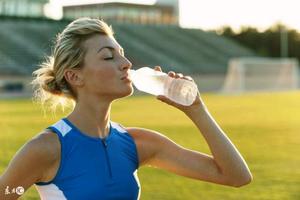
(257, 74)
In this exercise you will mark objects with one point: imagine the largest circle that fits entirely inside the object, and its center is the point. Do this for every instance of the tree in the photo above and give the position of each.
(266, 43)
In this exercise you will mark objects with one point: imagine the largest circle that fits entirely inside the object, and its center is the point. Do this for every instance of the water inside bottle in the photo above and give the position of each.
(158, 83)
(149, 81)
(181, 91)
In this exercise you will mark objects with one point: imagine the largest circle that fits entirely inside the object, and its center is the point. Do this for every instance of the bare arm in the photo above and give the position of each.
(28, 166)
(229, 161)
(226, 166)
(157, 150)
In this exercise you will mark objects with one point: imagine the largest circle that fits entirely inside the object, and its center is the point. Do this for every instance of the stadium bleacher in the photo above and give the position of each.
(25, 42)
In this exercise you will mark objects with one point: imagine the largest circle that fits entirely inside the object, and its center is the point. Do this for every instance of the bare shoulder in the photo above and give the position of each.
(43, 150)
(148, 143)
(47, 138)
(33, 161)
(146, 137)
(143, 134)
(47, 144)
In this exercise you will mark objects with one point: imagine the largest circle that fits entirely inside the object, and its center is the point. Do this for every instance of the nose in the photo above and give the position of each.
(126, 64)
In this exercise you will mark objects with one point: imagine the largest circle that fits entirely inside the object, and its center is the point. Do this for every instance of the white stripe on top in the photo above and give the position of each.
(63, 127)
(50, 192)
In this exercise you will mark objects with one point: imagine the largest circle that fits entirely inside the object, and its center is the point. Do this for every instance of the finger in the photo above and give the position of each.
(157, 68)
(162, 98)
(188, 78)
(172, 74)
(178, 75)
(165, 100)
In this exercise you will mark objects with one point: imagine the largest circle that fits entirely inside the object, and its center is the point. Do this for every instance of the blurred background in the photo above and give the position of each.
(243, 55)
(227, 47)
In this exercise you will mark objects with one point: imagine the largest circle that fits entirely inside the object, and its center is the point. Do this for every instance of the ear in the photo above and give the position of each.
(74, 77)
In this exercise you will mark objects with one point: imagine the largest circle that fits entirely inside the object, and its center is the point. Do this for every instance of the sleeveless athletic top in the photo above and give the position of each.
(93, 168)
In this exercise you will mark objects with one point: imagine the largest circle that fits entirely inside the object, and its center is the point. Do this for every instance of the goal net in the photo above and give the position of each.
(256, 74)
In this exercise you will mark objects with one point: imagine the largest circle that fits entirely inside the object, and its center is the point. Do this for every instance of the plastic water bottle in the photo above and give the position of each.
(155, 82)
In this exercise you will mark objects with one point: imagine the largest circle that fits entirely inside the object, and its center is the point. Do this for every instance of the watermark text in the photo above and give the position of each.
(18, 190)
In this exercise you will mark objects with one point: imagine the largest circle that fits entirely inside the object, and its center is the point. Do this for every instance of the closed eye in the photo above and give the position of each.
(109, 58)
(112, 49)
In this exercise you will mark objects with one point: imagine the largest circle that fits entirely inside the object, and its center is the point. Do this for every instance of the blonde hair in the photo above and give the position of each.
(49, 83)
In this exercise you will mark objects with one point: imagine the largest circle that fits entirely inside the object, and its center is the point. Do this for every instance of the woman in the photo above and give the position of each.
(85, 155)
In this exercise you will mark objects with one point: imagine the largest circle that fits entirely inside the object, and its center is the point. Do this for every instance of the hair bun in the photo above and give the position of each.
(45, 78)
(52, 86)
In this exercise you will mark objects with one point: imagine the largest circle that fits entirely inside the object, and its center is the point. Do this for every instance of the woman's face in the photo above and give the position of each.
(104, 68)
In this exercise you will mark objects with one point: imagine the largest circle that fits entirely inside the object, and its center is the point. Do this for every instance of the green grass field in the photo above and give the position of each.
(264, 127)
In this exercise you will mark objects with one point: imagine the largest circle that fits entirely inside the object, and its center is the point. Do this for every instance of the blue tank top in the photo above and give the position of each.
(93, 168)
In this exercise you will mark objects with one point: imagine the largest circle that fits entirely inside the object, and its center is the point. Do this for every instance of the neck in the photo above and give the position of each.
(92, 117)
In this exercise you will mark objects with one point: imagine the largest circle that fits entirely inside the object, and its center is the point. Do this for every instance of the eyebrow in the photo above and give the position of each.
(110, 48)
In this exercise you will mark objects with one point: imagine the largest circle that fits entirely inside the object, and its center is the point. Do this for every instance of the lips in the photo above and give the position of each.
(125, 77)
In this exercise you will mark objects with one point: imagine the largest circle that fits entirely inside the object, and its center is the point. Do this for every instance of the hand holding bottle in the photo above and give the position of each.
(174, 89)
(197, 101)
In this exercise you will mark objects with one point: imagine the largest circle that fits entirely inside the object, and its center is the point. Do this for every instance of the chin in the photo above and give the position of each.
(129, 93)
(126, 93)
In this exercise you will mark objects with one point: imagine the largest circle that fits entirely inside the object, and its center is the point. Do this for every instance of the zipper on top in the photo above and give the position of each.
(106, 157)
